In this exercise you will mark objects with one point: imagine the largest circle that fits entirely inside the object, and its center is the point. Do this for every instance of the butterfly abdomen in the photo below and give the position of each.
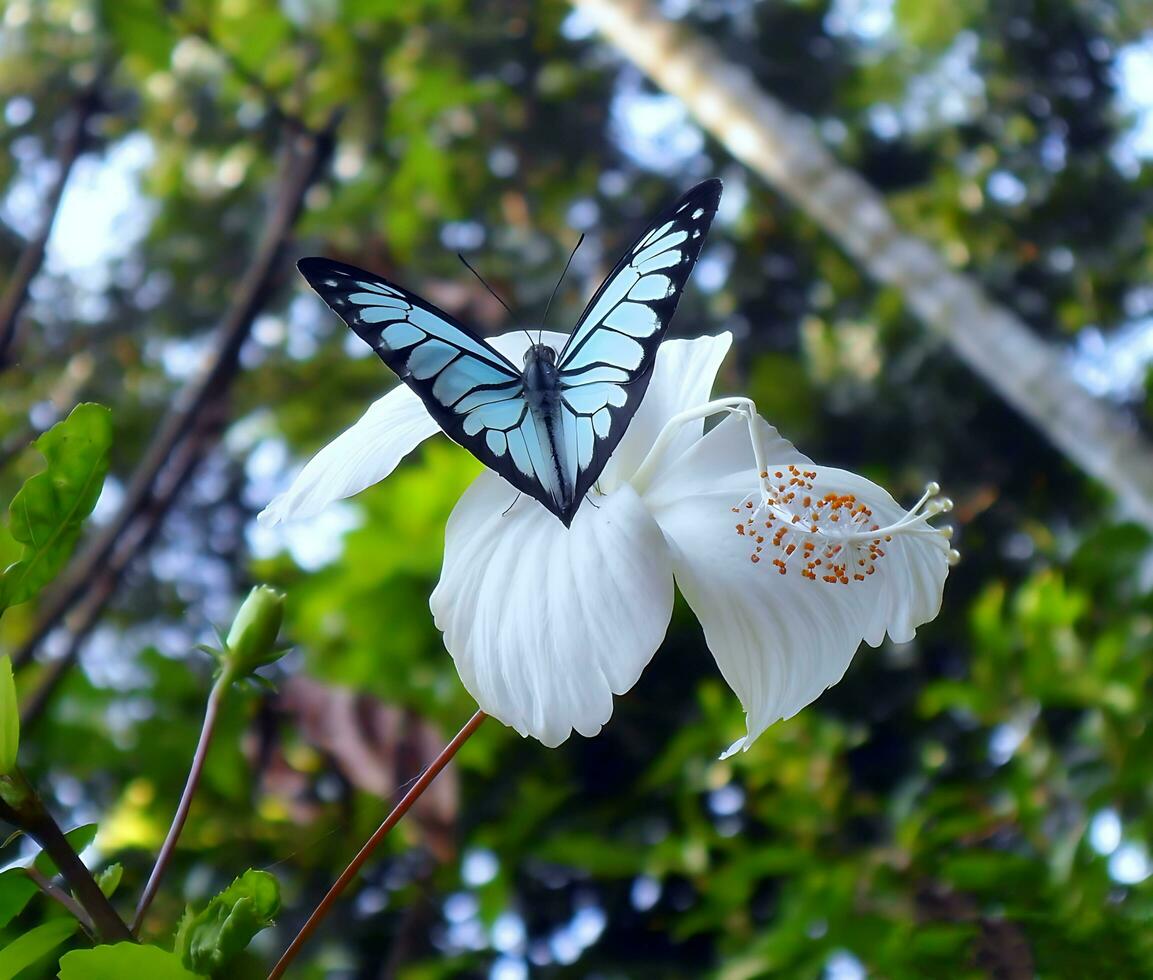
(542, 392)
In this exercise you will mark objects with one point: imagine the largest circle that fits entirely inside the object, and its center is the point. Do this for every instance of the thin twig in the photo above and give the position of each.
(305, 160)
(32, 256)
(62, 898)
(207, 729)
(373, 842)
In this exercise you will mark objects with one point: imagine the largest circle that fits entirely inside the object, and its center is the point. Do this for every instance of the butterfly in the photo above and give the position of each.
(549, 426)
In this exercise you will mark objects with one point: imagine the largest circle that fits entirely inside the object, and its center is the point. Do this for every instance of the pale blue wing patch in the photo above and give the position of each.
(497, 442)
(429, 357)
(633, 319)
(397, 336)
(496, 415)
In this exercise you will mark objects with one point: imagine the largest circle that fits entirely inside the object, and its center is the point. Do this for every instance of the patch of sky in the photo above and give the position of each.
(727, 800)
(578, 26)
(583, 214)
(1105, 831)
(509, 968)
(508, 933)
(712, 270)
(1006, 188)
(843, 965)
(645, 892)
(102, 216)
(462, 236)
(479, 867)
(502, 161)
(1133, 76)
(864, 20)
(1114, 365)
(654, 129)
(1129, 864)
(312, 542)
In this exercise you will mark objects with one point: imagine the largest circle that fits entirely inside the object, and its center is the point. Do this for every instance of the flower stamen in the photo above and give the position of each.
(833, 537)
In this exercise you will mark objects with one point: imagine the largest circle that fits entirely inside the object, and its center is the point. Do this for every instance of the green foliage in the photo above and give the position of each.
(122, 960)
(9, 718)
(78, 837)
(34, 944)
(16, 889)
(109, 879)
(47, 514)
(209, 939)
(936, 813)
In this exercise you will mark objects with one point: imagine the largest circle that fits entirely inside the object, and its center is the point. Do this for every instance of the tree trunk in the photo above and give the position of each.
(784, 148)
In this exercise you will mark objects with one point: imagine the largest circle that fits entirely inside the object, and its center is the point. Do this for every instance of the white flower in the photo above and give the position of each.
(787, 564)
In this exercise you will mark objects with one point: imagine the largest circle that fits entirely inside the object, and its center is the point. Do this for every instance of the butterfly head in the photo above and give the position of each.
(539, 352)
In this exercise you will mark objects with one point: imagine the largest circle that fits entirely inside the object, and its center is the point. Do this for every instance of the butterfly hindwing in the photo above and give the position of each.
(607, 362)
(472, 391)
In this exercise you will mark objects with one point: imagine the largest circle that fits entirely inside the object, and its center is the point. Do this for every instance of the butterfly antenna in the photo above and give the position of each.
(485, 285)
(492, 291)
(564, 271)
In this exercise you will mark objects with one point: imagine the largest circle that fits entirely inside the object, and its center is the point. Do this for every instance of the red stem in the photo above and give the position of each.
(374, 842)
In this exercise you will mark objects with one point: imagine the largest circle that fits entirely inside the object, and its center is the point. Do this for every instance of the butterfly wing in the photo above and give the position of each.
(473, 392)
(607, 362)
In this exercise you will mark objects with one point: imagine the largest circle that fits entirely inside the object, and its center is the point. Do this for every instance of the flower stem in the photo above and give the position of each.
(398, 811)
(207, 729)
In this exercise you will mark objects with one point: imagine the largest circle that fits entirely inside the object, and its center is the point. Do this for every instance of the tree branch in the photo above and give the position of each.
(32, 257)
(167, 462)
(23, 808)
(784, 148)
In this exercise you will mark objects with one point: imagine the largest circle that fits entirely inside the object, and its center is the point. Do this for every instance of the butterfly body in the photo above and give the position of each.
(548, 427)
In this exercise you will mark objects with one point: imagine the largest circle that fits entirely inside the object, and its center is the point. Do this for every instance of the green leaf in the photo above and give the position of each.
(9, 718)
(207, 940)
(48, 512)
(109, 879)
(16, 889)
(25, 950)
(122, 960)
(79, 837)
(139, 26)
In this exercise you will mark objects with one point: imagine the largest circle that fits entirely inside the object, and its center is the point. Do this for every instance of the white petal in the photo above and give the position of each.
(544, 624)
(780, 640)
(721, 461)
(364, 454)
(683, 377)
(371, 448)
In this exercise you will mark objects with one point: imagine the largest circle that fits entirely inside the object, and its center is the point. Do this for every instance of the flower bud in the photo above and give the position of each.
(251, 641)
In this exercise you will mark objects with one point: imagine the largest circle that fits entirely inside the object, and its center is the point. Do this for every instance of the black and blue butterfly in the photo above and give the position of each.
(548, 427)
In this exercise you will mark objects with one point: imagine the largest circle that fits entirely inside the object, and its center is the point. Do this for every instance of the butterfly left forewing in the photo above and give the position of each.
(472, 391)
(607, 362)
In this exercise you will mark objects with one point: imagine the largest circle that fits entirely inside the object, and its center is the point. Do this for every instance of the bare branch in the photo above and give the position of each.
(784, 148)
(174, 452)
(32, 257)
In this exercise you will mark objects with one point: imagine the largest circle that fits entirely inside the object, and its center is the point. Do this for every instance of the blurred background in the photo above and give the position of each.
(975, 803)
